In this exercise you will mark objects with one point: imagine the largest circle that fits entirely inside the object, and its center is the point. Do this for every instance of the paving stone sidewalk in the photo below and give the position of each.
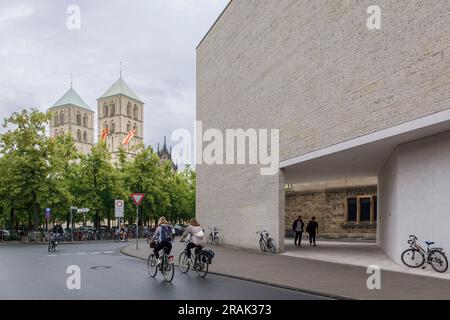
(335, 279)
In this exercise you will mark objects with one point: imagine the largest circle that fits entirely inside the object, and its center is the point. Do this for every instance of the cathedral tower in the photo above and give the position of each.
(120, 110)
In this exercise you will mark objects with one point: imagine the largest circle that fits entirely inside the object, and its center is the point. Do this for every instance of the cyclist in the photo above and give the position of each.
(197, 238)
(163, 238)
(122, 233)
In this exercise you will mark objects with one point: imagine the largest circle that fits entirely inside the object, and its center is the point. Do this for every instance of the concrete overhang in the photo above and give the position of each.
(363, 156)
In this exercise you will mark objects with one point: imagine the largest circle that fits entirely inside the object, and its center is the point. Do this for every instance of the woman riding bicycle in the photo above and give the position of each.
(197, 238)
(163, 238)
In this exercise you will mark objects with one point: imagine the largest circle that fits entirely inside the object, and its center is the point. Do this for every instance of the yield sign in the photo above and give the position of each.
(137, 198)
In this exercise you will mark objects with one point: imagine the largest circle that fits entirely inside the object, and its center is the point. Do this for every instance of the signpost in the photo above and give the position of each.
(137, 198)
(48, 216)
(71, 221)
(119, 206)
(83, 211)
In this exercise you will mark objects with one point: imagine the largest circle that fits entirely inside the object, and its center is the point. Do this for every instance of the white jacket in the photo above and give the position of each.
(196, 235)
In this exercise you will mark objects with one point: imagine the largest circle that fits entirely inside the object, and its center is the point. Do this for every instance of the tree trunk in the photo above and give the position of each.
(12, 215)
(35, 207)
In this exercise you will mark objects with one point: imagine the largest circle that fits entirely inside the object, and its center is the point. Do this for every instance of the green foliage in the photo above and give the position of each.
(37, 172)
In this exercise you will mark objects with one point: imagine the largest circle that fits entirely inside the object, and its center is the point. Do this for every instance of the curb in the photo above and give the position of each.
(275, 285)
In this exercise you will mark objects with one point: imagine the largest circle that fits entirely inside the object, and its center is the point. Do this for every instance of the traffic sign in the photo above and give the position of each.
(119, 208)
(137, 198)
(83, 210)
(48, 213)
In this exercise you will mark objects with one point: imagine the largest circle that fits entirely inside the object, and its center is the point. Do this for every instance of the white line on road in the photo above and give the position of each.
(66, 254)
(95, 253)
(108, 251)
(80, 253)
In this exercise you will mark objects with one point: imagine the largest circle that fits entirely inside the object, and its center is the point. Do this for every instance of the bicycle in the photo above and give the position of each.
(166, 267)
(266, 243)
(414, 257)
(214, 236)
(200, 262)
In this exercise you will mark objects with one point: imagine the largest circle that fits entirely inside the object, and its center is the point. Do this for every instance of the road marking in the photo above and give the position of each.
(80, 253)
(51, 255)
(66, 254)
(95, 253)
(108, 251)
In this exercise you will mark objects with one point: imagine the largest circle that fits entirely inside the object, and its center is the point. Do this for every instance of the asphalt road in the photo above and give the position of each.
(30, 272)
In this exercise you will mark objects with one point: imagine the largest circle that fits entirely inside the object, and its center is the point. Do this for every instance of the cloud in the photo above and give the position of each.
(155, 39)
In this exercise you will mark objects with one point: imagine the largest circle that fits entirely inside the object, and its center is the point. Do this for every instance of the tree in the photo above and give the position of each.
(26, 148)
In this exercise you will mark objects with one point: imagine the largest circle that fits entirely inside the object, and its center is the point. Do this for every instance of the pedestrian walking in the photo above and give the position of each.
(298, 227)
(312, 229)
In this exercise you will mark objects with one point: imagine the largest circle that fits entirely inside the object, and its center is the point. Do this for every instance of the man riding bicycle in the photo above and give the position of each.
(197, 238)
(163, 238)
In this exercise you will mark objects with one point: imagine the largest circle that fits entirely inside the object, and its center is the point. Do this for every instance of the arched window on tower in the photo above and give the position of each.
(62, 132)
(112, 109)
(135, 128)
(79, 135)
(129, 110)
(106, 126)
(113, 127)
(78, 118)
(61, 118)
(85, 136)
(135, 112)
(56, 119)
(105, 109)
(128, 126)
(56, 132)
(85, 120)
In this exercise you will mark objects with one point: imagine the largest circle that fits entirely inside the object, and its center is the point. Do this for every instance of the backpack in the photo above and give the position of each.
(166, 234)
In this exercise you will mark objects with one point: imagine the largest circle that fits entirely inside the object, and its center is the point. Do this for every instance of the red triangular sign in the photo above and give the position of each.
(137, 198)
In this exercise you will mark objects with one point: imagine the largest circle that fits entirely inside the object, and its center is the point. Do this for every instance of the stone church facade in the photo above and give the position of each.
(119, 109)
(72, 114)
(343, 209)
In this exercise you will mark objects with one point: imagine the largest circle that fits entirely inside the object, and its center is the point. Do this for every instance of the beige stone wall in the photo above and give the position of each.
(121, 120)
(71, 126)
(328, 206)
(313, 70)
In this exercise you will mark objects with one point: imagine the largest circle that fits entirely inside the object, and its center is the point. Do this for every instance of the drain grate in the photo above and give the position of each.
(100, 267)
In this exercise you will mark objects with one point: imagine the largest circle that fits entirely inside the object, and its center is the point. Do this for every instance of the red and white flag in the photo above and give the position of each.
(129, 137)
(105, 133)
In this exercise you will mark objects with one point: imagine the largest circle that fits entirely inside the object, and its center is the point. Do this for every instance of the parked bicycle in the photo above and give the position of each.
(214, 235)
(199, 260)
(166, 267)
(266, 243)
(416, 256)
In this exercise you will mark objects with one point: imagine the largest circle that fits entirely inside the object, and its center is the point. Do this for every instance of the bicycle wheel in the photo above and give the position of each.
(216, 240)
(438, 261)
(262, 245)
(210, 238)
(183, 262)
(201, 267)
(271, 246)
(151, 265)
(168, 269)
(50, 247)
(413, 258)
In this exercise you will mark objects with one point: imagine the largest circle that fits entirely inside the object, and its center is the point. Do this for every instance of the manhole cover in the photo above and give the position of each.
(101, 267)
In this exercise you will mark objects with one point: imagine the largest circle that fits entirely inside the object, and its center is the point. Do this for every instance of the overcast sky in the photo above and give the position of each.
(155, 39)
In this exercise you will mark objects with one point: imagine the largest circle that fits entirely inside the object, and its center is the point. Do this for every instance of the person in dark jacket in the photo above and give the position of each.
(298, 226)
(313, 230)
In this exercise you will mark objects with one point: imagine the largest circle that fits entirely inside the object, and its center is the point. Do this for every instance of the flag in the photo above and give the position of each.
(105, 133)
(129, 136)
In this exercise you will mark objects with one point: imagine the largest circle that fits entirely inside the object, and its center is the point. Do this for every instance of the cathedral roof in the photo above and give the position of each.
(120, 87)
(72, 97)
